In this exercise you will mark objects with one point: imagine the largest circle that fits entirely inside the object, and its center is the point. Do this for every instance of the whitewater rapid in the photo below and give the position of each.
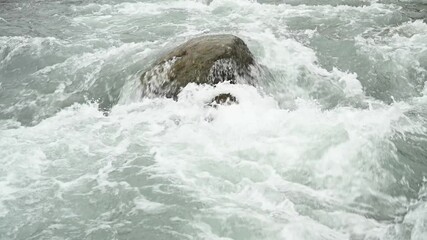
(333, 146)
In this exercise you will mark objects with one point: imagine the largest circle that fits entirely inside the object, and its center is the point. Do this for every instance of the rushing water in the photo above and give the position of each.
(333, 146)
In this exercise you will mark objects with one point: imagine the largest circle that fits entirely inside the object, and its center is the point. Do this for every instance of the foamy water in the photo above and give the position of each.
(333, 145)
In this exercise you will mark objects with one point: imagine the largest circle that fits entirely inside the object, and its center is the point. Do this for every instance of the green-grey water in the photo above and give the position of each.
(332, 146)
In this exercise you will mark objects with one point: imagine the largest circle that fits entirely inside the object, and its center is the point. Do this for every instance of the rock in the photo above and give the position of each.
(203, 60)
(223, 99)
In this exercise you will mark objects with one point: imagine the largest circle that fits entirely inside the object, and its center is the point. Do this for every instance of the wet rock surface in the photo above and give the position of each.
(208, 59)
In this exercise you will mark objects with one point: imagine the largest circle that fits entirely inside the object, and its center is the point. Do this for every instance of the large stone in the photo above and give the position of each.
(203, 60)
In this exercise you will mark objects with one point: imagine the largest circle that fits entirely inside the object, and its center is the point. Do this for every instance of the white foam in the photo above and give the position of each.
(141, 203)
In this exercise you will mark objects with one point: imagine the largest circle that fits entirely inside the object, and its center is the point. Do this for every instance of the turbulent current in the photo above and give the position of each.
(332, 146)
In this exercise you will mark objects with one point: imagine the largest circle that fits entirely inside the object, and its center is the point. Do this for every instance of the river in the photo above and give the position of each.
(333, 146)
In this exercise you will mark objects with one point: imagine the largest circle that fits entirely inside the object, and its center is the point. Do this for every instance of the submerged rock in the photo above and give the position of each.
(203, 60)
(223, 99)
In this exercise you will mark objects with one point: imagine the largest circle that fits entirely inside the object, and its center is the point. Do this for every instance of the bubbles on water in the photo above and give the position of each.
(399, 55)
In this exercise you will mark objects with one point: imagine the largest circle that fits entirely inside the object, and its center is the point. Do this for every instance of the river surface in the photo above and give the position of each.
(332, 146)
